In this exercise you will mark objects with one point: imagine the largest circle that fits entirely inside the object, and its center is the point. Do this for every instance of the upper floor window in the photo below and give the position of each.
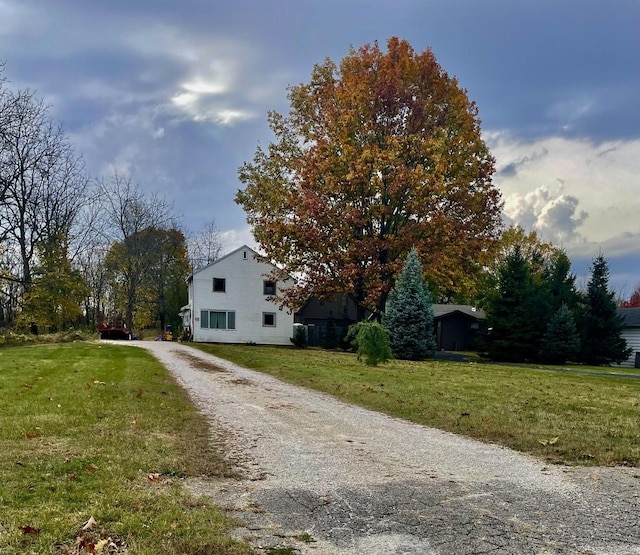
(219, 285)
(269, 287)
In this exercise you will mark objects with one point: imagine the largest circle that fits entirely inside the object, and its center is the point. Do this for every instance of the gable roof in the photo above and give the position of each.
(229, 254)
(631, 316)
(441, 310)
(255, 256)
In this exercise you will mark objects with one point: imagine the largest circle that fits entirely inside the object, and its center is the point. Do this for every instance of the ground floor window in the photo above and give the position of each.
(218, 319)
(269, 319)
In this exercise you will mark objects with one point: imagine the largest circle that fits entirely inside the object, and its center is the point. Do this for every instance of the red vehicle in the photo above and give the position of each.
(113, 328)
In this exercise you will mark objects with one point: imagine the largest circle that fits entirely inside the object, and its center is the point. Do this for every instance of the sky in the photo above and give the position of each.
(175, 94)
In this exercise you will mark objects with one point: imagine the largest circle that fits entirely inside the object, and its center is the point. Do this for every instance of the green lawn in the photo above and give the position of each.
(557, 416)
(102, 431)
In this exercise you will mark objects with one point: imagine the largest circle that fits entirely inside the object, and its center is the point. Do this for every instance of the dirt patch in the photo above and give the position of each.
(200, 364)
(241, 381)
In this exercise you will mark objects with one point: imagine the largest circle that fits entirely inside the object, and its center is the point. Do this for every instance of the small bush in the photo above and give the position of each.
(10, 338)
(299, 338)
(371, 342)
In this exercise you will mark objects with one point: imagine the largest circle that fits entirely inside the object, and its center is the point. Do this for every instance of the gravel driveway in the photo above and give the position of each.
(324, 477)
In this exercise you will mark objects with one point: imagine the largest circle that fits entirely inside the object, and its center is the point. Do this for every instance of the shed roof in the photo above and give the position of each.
(631, 317)
(440, 310)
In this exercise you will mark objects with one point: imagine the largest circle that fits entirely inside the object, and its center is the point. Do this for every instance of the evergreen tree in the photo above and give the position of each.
(329, 336)
(371, 343)
(516, 311)
(561, 342)
(602, 341)
(560, 284)
(409, 314)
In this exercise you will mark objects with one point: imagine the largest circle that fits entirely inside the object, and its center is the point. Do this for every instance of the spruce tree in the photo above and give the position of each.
(602, 341)
(561, 342)
(516, 311)
(560, 284)
(409, 314)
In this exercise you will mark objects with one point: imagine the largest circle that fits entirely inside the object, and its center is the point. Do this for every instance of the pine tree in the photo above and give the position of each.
(561, 342)
(602, 341)
(560, 283)
(371, 343)
(409, 314)
(516, 311)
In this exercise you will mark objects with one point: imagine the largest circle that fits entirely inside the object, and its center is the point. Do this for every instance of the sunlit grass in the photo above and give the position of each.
(596, 419)
(102, 431)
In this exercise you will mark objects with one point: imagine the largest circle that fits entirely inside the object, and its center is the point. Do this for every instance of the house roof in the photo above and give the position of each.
(631, 317)
(243, 247)
(256, 256)
(440, 310)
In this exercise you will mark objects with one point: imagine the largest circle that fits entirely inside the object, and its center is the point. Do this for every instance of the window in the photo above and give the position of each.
(217, 320)
(269, 287)
(269, 319)
(244, 255)
(219, 285)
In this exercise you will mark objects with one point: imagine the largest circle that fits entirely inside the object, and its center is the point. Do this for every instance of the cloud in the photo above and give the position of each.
(554, 215)
(575, 192)
(235, 238)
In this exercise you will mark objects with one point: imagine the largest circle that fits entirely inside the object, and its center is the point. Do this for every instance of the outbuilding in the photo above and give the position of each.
(631, 334)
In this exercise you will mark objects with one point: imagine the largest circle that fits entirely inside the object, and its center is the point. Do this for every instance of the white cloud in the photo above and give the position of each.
(573, 192)
(235, 238)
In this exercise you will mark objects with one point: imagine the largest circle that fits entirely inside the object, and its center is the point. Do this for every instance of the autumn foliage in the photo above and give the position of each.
(377, 155)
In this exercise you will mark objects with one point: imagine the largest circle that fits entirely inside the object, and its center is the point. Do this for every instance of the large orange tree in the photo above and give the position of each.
(377, 156)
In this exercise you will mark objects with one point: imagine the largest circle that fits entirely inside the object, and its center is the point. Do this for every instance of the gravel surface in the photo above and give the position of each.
(323, 477)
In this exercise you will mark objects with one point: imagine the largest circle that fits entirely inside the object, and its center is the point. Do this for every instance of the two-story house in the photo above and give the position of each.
(230, 302)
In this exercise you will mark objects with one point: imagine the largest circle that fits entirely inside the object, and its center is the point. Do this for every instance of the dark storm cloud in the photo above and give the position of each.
(177, 91)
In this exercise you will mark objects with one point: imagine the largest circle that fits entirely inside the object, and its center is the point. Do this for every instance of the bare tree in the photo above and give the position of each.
(204, 246)
(44, 181)
(129, 215)
(43, 186)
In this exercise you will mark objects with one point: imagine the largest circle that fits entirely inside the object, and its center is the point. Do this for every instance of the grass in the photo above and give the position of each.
(102, 432)
(559, 417)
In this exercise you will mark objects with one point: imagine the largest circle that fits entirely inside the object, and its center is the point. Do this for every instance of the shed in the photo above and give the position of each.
(631, 334)
(457, 326)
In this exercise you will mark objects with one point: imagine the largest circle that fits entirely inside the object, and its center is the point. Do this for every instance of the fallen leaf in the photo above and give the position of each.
(89, 524)
(139, 394)
(554, 440)
(92, 468)
(30, 435)
(101, 545)
(154, 477)
(29, 530)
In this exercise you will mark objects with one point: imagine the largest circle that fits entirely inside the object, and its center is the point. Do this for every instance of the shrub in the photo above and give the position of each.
(372, 343)
(299, 338)
(10, 338)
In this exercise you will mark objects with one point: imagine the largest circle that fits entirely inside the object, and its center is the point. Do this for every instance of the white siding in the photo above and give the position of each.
(632, 337)
(245, 277)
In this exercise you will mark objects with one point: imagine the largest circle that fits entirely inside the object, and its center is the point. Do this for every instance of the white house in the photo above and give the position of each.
(229, 302)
